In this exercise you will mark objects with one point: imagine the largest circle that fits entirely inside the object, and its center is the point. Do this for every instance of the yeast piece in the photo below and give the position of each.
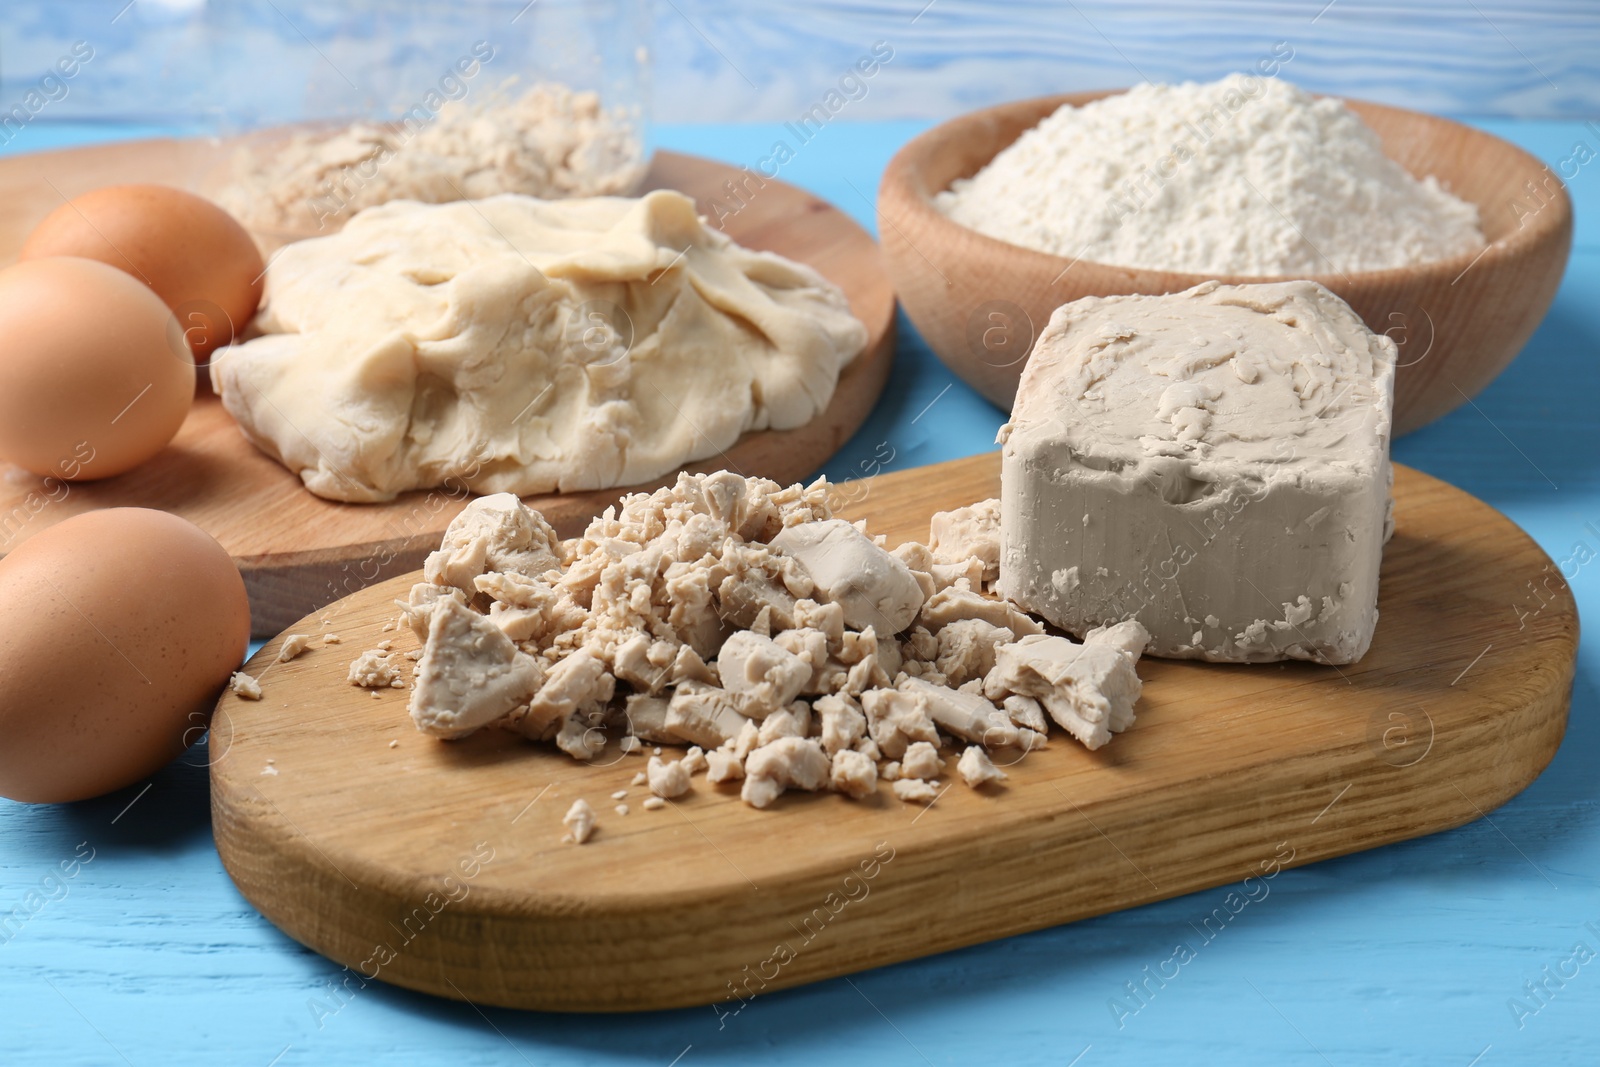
(1212, 463)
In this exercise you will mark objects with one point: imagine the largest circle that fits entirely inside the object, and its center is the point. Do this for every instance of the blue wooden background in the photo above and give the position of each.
(212, 63)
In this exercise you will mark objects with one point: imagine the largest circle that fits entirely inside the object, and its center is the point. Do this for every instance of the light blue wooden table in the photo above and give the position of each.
(1412, 954)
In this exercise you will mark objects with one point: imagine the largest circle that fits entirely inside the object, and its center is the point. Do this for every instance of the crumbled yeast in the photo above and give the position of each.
(293, 645)
(579, 821)
(375, 669)
(976, 768)
(677, 620)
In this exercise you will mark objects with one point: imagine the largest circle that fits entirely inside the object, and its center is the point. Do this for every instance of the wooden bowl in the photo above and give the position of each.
(1458, 322)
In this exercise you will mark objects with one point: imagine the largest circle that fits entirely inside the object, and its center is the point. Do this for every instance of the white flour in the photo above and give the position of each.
(1246, 176)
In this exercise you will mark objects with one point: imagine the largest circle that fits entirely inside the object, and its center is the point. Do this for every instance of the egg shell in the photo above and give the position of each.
(94, 376)
(194, 255)
(118, 630)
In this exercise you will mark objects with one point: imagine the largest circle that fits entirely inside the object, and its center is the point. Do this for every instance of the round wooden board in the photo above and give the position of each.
(298, 551)
(439, 866)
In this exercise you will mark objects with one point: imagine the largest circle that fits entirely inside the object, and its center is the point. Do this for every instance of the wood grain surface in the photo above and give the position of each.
(356, 835)
(713, 62)
(298, 551)
(979, 302)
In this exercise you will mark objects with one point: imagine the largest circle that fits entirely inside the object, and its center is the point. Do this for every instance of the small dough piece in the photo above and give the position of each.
(869, 663)
(968, 574)
(853, 774)
(470, 674)
(966, 649)
(779, 724)
(1026, 712)
(578, 683)
(748, 741)
(968, 715)
(916, 790)
(1089, 690)
(800, 711)
(244, 686)
(579, 821)
(492, 533)
(754, 594)
(687, 666)
(872, 586)
(704, 715)
(293, 645)
(1129, 636)
(763, 674)
(956, 603)
(827, 618)
(919, 561)
(921, 761)
(374, 669)
(527, 609)
(787, 763)
(812, 646)
(723, 766)
(972, 532)
(419, 605)
(843, 722)
(976, 769)
(630, 662)
(895, 719)
(582, 735)
(647, 719)
(667, 779)
(920, 646)
(694, 760)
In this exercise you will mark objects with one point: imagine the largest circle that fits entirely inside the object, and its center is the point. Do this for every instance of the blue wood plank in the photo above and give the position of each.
(255, 61)
(1526, 60)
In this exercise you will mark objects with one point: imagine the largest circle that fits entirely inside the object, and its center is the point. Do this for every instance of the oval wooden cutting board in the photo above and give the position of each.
(298, 551)
(440, 867)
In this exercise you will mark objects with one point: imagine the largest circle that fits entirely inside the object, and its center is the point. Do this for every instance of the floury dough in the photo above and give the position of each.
(1243, 176)
(1212, 463)
(550, 141)
(527, 346)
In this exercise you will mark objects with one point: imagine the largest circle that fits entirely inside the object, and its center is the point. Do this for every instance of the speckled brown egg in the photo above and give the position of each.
(193, 254)
(118, 630)
(94, 379)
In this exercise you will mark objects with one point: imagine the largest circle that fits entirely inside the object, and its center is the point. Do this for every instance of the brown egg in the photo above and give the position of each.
(94, 376)
(194, 255)
(118, 630)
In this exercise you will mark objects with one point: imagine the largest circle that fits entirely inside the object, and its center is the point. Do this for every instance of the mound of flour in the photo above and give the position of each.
(1245, 175)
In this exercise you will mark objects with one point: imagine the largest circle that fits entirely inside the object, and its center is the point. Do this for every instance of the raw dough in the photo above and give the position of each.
(528, 346)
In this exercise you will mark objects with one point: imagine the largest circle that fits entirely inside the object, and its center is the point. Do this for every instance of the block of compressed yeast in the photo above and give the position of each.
(1213, 463)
